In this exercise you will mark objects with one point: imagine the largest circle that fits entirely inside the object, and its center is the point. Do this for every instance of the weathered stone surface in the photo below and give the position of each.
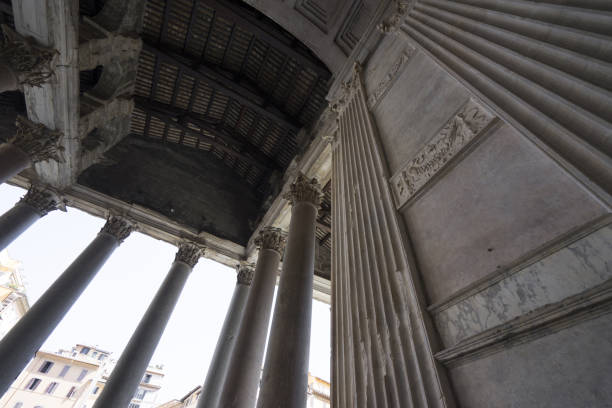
(566, 369)
(569, 271)
(506, 198)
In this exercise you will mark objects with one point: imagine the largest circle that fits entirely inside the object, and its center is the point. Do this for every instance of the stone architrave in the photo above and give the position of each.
(134, 360)
(25, 338)
(32, 142)
(285, 375)
(37, 203)
(242, 378)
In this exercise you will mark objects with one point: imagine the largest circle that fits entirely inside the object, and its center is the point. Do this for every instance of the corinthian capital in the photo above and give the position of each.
(42, 200)
(304, 190)
(31, 62)
(119, 227)
(245, 275)
(36, 140)
(189, 253)
(271, 238)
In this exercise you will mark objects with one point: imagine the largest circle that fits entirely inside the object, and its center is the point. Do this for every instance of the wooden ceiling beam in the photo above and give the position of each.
(249, 23)
(226, 86)
(178, 116)
(169, 120)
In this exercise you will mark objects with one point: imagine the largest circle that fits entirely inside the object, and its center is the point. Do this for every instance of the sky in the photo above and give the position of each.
(111, 307)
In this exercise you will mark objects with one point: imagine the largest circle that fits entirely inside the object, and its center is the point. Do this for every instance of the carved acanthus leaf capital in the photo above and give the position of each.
(36, 140)
(347, 89)
(304, 190)
(189, 253)
(43, 200)
(271, 238)
(119, 227)
(245, 275)
(393, 23)
(33, 63)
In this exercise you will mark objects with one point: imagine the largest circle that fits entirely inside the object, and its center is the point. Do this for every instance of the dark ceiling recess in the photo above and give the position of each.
(224, 82)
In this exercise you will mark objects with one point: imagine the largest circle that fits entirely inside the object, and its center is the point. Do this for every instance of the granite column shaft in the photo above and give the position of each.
(33, 206)
(217, 371)
(240, 387)
(25, 338)
(134, 360)
(285, 375)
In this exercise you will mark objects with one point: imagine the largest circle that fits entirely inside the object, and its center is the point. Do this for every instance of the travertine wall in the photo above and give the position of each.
(502, 197)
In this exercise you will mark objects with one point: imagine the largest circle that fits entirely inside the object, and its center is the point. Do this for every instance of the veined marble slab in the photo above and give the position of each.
(576, 268)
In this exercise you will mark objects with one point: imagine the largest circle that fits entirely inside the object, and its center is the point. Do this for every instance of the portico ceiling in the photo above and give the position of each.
(223, 98)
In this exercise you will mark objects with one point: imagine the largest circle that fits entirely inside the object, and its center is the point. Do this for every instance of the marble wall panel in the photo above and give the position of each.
(565, 369)
(415, 108)
(579, 266)
(504, 199)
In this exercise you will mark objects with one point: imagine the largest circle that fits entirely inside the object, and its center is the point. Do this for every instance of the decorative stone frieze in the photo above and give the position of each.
(304, 190)
(32, 62)
(394, 22)
(385, 84)
(189, 253)
(36, 140)
(42, 200)
(271, 238)
(458, 132)
(245, 275)
(119, 227)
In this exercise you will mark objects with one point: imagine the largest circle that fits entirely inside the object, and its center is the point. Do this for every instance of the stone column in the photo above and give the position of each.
(217, 371)
(37, 203)
(240, 387)
(127, 374)
(31, 143)
(22, 62)
(285, 376)
(25, 338)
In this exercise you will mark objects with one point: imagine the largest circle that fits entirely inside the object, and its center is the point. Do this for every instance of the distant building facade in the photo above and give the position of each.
(13, 300)
(318, 396)
(73, 378)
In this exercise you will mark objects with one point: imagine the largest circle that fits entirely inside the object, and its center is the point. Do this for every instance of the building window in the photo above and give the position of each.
(147, 378)
(95, 391)
(102, 357)
(71, 392)
(85, 350)
(32, 384)
(82, 375)
(64, 371)
(18, 405)
(132, 405)
(140, 394)
(45, 367)
(94, 354)
(51, 388)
